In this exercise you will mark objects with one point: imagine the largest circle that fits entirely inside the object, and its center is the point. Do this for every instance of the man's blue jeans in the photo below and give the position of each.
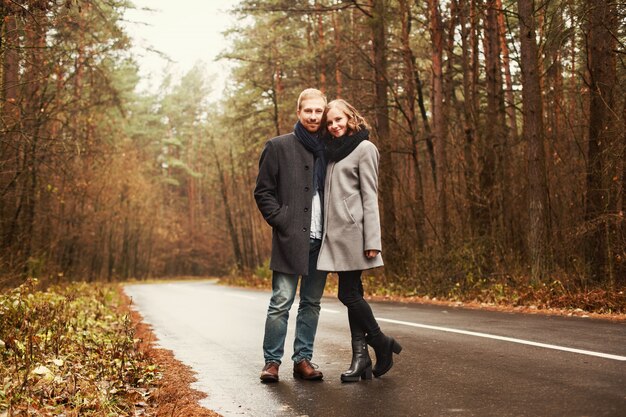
(283, 294)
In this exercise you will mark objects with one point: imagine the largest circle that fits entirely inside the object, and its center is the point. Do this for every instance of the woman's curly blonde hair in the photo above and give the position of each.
(356, 122)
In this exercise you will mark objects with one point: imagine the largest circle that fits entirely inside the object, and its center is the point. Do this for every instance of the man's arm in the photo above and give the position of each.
(266, 189)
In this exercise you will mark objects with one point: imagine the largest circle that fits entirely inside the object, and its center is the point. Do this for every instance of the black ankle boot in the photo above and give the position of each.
(361, 366)
(385, 347)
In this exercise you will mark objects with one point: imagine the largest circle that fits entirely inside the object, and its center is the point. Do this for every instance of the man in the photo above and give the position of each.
(289, 192)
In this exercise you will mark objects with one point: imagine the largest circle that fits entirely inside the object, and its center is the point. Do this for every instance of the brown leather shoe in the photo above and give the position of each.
(270, 372)
(305, 370)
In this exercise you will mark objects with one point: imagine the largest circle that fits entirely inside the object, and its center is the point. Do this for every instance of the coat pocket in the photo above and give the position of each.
(354, 208)
(281, 220)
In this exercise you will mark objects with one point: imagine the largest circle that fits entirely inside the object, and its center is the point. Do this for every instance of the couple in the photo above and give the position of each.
(317, 189)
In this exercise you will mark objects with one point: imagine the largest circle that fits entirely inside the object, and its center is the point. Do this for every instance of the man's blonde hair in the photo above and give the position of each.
(310, 93)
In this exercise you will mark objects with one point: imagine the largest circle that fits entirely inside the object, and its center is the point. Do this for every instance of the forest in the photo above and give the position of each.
(501, 127)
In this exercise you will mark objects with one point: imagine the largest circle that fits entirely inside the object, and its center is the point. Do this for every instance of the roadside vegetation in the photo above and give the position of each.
(505, 292)
(70, 351)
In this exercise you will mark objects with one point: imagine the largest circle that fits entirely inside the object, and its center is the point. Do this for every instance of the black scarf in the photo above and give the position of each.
(339, 148)
(313, 143)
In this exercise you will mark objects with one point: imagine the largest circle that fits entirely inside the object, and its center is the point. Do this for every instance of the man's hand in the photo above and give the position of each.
(369, 254)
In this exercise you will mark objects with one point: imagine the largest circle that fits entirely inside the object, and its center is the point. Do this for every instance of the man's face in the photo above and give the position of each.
(310, 113)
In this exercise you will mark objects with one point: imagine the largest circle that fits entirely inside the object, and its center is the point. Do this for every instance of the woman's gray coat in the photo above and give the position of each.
(351, 218)
(283, 193)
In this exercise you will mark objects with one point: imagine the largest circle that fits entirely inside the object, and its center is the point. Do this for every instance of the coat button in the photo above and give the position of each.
(306, 167)
(306, 188)
(306, 209)
(304, 229)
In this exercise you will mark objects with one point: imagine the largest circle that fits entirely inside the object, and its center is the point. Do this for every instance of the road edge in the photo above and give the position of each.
(173, 395)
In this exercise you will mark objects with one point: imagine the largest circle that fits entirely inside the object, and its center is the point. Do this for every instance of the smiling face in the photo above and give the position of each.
(336, 122)
(310, 113)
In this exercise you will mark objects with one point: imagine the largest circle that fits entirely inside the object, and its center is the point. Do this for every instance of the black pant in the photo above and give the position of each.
(360, 316)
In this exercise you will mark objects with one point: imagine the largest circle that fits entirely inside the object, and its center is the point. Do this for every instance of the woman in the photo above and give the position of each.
(351, 241)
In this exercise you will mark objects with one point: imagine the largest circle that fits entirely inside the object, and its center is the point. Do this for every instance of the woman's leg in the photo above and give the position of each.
(359, 311)
(360, 314)
(350, 292)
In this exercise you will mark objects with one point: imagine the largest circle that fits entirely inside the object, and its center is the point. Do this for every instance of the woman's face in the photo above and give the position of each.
(336, 122)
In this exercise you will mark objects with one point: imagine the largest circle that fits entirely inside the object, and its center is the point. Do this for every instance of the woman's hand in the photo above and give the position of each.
(369, 254)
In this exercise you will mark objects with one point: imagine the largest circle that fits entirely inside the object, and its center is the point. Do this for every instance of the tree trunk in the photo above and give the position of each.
(230, 224)
(339, 55)
(475, 65)
(277, 90)
(505, 134)
(321, 54)
(410, 73)
(489, 210)
(428, 135)
(439, 122)
(506, 65)
(9, 143)
(621, 267)
(379, 42)
(469, 120)
(602, 79)
(538, 234)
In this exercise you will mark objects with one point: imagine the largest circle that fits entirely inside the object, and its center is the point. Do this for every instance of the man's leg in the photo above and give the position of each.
(311, 291)
(283, 294)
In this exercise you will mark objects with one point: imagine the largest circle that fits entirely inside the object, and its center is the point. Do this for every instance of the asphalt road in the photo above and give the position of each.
(455, 361)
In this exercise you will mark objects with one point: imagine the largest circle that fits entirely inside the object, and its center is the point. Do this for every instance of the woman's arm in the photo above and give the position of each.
(368, 178)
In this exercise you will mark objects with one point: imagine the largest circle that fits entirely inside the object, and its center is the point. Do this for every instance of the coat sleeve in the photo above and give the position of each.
(368, 176)
(266, 189)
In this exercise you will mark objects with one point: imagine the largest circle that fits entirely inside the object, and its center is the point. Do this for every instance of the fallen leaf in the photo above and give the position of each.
(42, 370)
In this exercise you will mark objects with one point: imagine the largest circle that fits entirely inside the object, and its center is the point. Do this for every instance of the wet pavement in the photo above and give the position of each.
(455, 361)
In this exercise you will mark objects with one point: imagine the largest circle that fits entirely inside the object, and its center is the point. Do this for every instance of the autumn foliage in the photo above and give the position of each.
(500, 123)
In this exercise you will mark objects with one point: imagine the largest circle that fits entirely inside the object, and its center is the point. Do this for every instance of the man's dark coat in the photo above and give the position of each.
(283, 193)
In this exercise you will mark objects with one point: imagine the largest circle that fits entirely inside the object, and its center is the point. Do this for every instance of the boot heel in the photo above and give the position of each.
(396, 347)
(367, 373)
